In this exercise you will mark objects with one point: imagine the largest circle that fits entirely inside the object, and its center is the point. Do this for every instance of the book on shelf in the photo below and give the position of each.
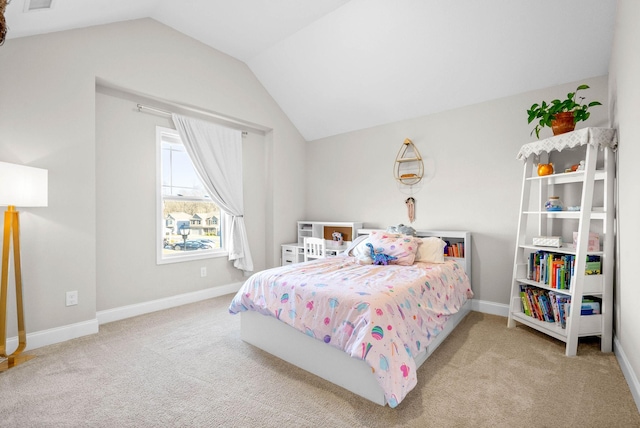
(593, 268)
(526, 305)
(557, 270)
(562, 301)
(536, 303)
(455, 249)
(553, 307)
(589, 307)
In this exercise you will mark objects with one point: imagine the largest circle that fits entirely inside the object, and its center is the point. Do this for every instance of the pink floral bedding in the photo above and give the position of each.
(382, 314)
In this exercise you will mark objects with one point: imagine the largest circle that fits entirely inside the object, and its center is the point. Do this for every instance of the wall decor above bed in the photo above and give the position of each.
(408, 168)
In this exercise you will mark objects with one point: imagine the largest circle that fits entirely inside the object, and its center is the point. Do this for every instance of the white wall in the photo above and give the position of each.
(48, 120)
(472, 179)
(625, 93)
(126, 210)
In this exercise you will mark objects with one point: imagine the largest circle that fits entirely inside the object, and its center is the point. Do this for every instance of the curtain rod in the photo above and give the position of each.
(168, 113)
(157, 110)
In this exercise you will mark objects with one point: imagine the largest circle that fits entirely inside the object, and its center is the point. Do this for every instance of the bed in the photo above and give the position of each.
(364, 327)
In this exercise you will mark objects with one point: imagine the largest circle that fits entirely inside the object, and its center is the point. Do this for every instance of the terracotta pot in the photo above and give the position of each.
(562, 123)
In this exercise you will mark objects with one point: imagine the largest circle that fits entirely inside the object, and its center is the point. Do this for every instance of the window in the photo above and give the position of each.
(188, 221)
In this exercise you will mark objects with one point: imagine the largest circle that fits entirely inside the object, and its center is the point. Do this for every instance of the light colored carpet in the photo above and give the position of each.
(188, 367)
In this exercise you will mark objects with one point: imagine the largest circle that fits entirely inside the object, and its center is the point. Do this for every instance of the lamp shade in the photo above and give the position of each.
(23, 186)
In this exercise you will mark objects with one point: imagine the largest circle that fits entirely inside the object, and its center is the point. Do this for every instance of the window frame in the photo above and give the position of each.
(162, 258)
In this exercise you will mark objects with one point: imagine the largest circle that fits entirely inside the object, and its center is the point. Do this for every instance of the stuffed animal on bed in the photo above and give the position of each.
(379, 258)
(401, 228)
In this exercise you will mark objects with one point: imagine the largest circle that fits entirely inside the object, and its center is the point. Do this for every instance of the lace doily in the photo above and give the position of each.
(599, 137)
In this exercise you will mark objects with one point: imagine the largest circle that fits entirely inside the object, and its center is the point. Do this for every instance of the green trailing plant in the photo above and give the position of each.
(546, 112)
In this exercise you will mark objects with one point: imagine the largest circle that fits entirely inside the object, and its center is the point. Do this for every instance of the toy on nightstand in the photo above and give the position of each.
(337, 238)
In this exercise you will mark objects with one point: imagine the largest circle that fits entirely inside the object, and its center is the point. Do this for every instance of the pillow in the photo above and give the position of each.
(360, 250)
(431, 250)
(403, 247)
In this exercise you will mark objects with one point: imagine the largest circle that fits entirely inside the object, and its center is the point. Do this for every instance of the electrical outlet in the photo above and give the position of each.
(72, 298)
(203, 272)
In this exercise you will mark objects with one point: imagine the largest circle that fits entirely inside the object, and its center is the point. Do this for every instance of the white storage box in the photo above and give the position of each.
(548, 241)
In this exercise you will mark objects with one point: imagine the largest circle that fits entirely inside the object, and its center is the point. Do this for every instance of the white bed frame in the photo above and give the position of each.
(332, 364)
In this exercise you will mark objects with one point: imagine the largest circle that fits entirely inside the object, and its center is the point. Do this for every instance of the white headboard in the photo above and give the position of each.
(451, 236)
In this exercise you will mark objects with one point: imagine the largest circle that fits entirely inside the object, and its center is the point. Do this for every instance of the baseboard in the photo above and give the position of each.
(492, 308)
(55, 335)
(627, 371)
(129, 311)
(72, 331)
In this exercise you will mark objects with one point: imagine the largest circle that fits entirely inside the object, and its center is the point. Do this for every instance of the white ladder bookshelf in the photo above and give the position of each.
(593, 183)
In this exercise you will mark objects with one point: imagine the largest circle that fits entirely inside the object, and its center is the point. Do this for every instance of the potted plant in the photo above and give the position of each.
(561, 116)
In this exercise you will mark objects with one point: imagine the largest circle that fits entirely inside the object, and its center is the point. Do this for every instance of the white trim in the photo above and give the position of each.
(55, 335)
(73, 331)
(162, 258)
(123, 312)
(627, 371)
(193, 255)
(492, 308)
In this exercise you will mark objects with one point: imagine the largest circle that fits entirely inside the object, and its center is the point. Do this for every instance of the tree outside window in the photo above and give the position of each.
(189, 222)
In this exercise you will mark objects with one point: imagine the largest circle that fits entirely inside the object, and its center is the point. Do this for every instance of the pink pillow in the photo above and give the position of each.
(403, 247)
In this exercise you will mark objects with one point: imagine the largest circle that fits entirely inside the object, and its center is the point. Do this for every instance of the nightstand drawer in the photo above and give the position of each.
(288, 260)
(291, 253)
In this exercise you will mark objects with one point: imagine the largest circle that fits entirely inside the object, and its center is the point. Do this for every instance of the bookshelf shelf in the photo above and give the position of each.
(596, 214)
(568, 177)
(589, 326)
(547, 281)
(593, 285)
(565, 249)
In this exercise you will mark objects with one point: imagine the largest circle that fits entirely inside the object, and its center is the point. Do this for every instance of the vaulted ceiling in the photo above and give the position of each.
(336, 66)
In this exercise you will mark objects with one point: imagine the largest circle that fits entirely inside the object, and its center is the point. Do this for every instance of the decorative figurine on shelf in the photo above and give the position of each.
(411, 209)
(337, 238)
(379, 258)
(545, 169)
(553, 204)
(580, 166)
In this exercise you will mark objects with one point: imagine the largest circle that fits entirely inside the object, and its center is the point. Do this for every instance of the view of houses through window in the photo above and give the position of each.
(191, 225)
(190, 220)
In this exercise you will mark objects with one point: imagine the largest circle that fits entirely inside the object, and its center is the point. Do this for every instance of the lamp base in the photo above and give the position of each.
(14, 361)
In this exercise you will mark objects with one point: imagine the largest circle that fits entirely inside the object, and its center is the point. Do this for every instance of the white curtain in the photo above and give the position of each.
(216, 153)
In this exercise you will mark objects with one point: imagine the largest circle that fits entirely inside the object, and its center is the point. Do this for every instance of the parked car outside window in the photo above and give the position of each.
(192, 245)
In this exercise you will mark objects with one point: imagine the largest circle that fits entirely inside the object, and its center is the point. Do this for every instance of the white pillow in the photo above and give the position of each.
(361, 251)
(431, 250)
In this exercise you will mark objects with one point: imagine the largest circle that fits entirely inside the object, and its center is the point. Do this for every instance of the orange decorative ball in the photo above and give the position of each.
(545, 169)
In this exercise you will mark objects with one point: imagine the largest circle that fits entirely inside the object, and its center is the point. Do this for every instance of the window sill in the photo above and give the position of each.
(200, 255)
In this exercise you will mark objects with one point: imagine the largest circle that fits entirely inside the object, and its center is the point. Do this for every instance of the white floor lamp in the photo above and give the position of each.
(21, 186)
